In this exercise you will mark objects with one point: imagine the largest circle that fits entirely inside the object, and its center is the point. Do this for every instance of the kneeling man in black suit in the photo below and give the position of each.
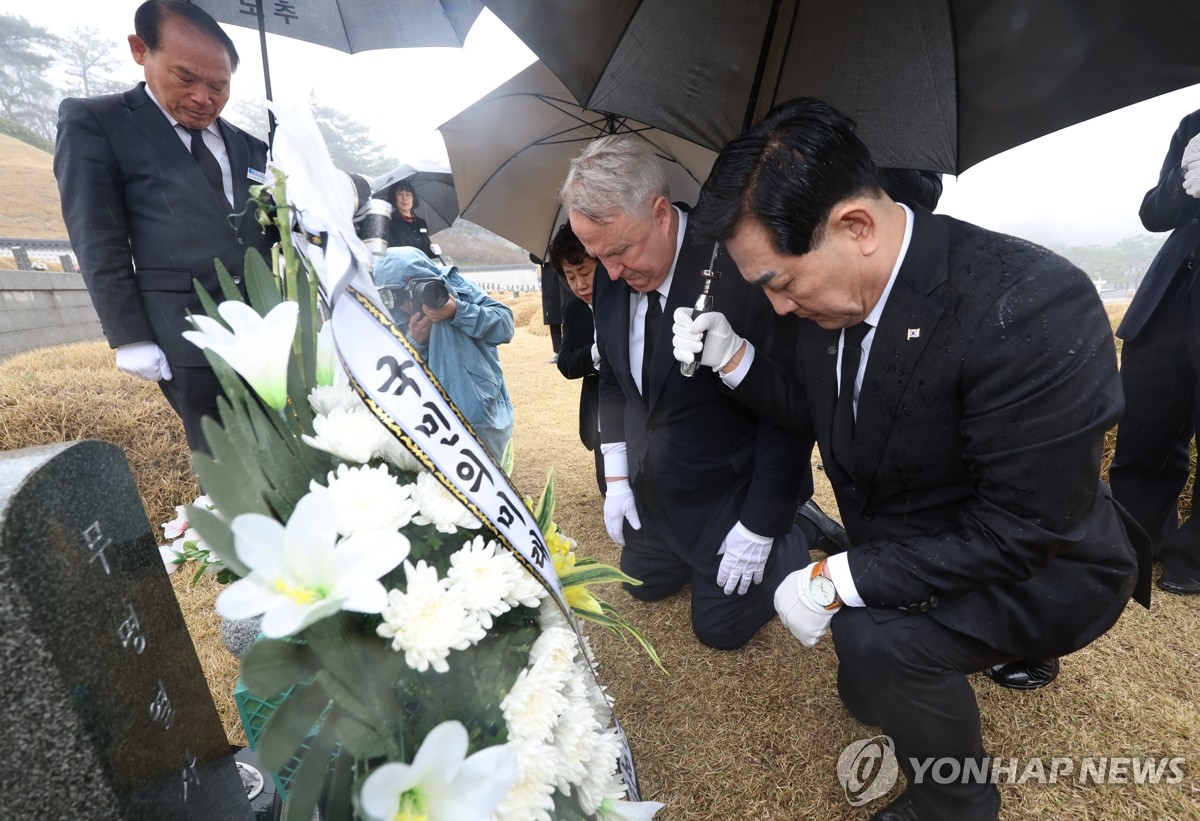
(959, 383)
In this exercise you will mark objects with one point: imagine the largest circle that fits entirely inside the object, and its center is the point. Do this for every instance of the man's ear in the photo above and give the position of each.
(856, 219)
(138, 48)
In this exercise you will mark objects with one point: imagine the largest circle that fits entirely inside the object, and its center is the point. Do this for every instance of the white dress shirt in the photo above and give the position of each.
(212, 139)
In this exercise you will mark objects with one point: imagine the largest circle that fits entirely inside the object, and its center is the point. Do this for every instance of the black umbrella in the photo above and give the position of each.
(361, 25)
(933, 84)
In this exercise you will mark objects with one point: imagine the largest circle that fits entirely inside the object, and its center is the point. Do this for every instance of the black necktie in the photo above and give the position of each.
(653, 315)
(207, 162)
(843, 411)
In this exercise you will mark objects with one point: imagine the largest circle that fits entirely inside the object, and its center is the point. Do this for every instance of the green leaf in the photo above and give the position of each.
(271, 666)
(261, 286)
(508, 458)
(217, 535)
(614, 622)
(309, 779)
(544, 511)
(595, 574)
(362, 741)
(229, 290)
(338, 804)
(290, 725)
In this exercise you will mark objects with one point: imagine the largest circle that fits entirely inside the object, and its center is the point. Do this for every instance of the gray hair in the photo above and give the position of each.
(617, 173)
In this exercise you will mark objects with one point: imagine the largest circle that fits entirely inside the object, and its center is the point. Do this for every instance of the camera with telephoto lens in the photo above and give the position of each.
(428, 292)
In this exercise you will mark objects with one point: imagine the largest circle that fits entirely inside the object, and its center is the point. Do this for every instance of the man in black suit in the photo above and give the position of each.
(148, 180)
(700, 489)
(1160, 369)
(959, 383)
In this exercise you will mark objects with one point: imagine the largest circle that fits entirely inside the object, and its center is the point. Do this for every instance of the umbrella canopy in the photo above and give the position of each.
(434, 187)
(510, 151)
(362, 25)
(933, 84)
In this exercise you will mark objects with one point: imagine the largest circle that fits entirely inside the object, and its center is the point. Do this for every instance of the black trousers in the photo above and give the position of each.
(193, 394)
(655, 556)
(1159, 375)
(908, 676)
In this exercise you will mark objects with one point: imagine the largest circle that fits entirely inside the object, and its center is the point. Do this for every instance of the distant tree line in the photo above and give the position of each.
(1121, 265)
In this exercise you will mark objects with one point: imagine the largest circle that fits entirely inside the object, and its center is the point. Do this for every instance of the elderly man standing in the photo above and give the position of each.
(148, 180)
(700, 489)
(959, 383)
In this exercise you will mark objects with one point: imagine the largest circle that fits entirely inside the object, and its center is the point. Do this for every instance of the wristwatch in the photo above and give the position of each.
(821, 588)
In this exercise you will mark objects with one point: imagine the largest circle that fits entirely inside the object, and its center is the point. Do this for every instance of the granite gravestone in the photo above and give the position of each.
(104, 706)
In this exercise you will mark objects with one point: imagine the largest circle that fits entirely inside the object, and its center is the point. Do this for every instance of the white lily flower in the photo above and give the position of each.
(300, 574)
(614, 807)
(443, 783)
(328, 364)
(258, 348)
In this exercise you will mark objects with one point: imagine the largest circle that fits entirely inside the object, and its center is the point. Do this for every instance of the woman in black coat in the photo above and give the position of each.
(406, 228)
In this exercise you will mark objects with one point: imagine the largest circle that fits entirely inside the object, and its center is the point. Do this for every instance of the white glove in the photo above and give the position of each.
(807, 620)
(619, 507)
(709, 335)
(1191, 181)
(145, 360)
(436, 249)
(1191, 153)
(745, 559)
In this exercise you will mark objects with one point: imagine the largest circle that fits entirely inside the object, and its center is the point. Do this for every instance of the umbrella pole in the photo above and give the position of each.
(759, 70)
(262, 47)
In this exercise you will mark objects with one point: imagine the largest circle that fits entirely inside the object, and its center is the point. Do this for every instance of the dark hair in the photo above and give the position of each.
(147, 24)
(786, 173)
(566, 249)
(403, 185)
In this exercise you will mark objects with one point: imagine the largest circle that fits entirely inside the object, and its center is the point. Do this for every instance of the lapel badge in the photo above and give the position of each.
(913, 333)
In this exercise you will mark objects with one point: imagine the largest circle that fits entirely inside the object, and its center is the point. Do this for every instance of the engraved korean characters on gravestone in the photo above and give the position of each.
(105, 710)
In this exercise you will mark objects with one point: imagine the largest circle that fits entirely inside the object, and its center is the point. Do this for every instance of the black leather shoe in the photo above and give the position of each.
(1178, 584)
(1024, 674)
(823, 533)
(899, 810)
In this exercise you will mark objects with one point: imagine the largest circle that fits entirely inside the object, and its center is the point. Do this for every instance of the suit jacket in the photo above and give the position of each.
(575, 362)
(143, 220)
(973, 490)
(711, 460)
(1166, 207)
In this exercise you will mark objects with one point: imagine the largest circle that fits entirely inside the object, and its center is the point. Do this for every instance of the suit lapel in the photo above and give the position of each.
(905, 328)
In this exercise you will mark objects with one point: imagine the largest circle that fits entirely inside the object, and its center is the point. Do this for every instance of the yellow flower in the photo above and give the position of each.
(580, 598)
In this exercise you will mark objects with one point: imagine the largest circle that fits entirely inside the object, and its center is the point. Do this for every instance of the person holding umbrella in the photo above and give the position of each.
(960, 384)
(405, 227)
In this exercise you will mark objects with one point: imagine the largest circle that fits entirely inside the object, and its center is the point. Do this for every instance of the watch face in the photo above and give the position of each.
(822, 591)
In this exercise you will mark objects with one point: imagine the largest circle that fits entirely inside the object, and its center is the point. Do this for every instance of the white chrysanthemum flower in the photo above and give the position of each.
(483, 577)
(575, 733)
(428, 620)
(392, 542)
(526, 590)
(606, 748)
(323, 399)
(532, 799)
(369, 498)
(614, 807)
(350, 435)
(534, 702)
(556, 648)
(397, 455)
(440, 508)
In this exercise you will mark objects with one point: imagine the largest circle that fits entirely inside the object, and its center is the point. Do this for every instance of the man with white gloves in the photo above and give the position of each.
(701, 490)
(1160, 369)
(960, 384)
(149, 180)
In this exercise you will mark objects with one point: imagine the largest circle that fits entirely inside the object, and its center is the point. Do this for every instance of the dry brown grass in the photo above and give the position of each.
(30, 207)
(752, 734)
